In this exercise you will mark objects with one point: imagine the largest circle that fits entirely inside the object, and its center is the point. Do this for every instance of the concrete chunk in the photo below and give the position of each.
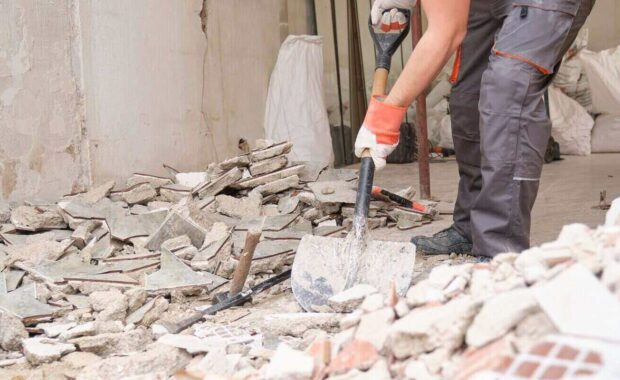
(277, 186)
(214, 187)
(139, 194)
(26, 218)
(246, 207)
(39, 351)
(275, 150)
(289, 364)
(251, 183)
(268, 166)
(348, 300)
(12, 332)
(95, 194)
(155, 181)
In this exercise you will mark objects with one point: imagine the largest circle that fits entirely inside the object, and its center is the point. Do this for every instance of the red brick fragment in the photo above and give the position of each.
(358, 354)
(488, 357)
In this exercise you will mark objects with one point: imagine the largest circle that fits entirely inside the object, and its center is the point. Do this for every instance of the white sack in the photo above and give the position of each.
(445, 133)
(295, 108)
(603, 71)
(606, 134)
(571, 123)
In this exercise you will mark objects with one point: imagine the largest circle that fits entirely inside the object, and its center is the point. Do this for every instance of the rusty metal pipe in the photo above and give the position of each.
(421, 120)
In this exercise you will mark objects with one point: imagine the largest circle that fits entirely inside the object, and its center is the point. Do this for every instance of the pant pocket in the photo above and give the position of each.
(535, 31)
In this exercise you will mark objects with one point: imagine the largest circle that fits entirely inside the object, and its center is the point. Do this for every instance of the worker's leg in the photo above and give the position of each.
(471, 61)
(514, 126)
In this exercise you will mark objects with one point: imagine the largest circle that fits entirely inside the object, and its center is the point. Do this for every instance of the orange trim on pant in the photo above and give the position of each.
(457, 67)
(522, 59)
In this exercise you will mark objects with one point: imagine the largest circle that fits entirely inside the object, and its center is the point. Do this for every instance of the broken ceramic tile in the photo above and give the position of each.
(13, 278)
(174, 274)
(268, 166)
(137, 316)
(346, 175)
(343, 192)
(214, 187)
(118, 279)
(270, 248)
(251, 183)
(311, 170)
(97, 193)
(245, 207)
(129, 226)
(176, 225)
(155, 181)
(288, 204)
(99, 248)
(23, 303)
(78, 300)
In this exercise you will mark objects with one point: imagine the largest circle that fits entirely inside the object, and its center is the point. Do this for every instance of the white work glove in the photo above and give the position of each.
(380, 6)
(380, 131)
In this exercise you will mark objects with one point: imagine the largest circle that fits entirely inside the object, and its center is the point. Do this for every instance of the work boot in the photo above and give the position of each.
(443, 243)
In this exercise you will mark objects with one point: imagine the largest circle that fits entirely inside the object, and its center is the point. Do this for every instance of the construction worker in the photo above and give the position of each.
(507, 52)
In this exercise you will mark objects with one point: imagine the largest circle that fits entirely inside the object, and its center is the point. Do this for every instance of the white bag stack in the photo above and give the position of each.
(603, 70)
(571, 123)
(606, 134)
(295, 109)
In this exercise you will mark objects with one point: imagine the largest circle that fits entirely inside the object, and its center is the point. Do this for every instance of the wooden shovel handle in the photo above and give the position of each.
(245, 262)
(379, 81)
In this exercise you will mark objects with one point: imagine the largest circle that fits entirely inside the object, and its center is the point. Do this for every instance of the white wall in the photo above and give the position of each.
(42, 145)
(604, 25)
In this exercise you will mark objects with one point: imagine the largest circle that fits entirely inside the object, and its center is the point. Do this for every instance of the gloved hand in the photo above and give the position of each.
(380, 131)
(389, 19)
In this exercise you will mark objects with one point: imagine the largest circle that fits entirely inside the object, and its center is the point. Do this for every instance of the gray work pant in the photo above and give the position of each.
(499, 123)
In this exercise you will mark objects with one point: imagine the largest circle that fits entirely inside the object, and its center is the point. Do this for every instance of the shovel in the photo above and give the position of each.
(325, 266)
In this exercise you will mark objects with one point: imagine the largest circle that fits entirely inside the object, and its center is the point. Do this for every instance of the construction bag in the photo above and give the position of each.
(571, 124)
(606, 134)
(603, 71)
(295, 109)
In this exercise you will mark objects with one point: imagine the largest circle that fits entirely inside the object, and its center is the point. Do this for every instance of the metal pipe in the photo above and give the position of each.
(421, 125)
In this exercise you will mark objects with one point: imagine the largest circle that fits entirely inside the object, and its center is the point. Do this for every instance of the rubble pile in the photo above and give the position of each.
(85, 281)
(550, 312)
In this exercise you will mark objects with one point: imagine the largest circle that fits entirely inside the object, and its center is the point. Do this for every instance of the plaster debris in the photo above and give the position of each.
(40, 350)
(12, 332)
(26, 218)
(348, 300)
(139, 194)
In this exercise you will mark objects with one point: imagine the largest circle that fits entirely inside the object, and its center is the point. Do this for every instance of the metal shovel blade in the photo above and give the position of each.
(321, 266)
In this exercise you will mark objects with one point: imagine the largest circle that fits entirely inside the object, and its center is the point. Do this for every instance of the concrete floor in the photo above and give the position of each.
(569, 190)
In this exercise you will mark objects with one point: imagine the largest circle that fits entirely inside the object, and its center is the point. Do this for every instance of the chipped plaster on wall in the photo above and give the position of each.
(40, 113)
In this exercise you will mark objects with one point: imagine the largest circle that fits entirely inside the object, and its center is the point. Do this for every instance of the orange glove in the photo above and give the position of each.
(380, 131)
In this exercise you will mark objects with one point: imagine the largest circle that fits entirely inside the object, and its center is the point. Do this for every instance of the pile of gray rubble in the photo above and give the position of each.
(84, 280)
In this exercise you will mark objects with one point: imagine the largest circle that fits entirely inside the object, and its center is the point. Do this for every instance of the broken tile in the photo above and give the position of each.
(288, 204)
(136, 316)
(174, 193)
(40, 350)
(78, 300)
(245, 207)
(38, 253)
(343, 192)
(118, 279)
(272, 151)
(109, 343)
(311, 170)
(331, 174)
(270, 248)
(270, 165)
(214, 187)
(176, 225)
(174, 274)
(97, 193)
(33, 219)
(253, 182)
(155, 181)
(13, 278)
(296, 324)
(53, 330)
(578, 304)
(277, 186)
(99, 248)
(270, 223)
(126, 227)
(235, 162)
(139, 194)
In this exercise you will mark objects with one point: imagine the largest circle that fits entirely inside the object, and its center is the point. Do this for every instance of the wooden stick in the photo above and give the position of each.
(245, 262)
(379, 81)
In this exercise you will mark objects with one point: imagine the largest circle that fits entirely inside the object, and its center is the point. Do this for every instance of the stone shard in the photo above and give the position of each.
(40, 350)
(53, 330)
(425, 329)
(173, 226)
(500, 314)
(275, 150)
(12, 332)
(95, 194)
(311, 170)
(155, 181)
(268, 223)
(26, 218)
(288, 204)
(189, 343)
(126, 227)
(174, 274)
(214, 187)
(375, 326)
(268, 166)
(139, 194)
(296, 324)
(235, 162)
(579, 304)
(289, 364)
